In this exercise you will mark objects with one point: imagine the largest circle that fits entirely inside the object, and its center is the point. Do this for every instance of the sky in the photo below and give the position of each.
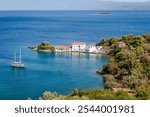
(72, 4)
(128, 0)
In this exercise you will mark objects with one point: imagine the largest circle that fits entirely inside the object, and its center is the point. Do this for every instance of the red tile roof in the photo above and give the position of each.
(62, 47)
(78, 43)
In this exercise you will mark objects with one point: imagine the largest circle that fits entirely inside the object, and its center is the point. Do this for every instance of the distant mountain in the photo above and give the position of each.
(125, 5)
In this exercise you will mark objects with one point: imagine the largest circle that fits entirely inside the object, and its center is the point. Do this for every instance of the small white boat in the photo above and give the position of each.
(17, 64)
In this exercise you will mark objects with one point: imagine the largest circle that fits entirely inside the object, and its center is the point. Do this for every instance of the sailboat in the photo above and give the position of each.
(17, 64)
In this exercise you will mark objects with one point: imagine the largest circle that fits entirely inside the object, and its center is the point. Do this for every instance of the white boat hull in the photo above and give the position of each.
(17, 65)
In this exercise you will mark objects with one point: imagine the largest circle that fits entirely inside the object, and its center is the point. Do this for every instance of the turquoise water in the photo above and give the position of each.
(58, 72)
(53, 72)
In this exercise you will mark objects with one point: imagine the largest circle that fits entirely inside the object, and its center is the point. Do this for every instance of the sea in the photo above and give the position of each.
(61, 73)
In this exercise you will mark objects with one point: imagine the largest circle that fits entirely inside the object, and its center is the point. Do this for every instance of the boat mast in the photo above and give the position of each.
(15, 56)
(20, 55)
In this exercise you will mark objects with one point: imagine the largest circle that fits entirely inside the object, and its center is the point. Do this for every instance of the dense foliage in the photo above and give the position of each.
(89, 95)
(129, 66)
(142, 93)
(46, 46)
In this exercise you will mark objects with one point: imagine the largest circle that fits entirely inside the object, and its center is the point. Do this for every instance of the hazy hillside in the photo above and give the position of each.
(125, 5)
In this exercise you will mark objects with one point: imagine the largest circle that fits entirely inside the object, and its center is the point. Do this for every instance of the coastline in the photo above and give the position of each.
(118, 66)
(48, 51)
(81, 48)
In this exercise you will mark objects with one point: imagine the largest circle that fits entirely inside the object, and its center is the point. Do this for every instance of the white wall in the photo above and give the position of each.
(78, 47)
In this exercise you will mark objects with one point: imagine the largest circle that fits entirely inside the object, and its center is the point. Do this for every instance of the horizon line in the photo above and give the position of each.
(75, 10)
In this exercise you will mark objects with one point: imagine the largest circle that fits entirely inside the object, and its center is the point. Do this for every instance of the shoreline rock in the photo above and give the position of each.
(35, 48)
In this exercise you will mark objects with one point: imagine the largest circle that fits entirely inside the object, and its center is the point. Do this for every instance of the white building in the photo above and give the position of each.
(99, 48)
(78, 46)
(91, 48)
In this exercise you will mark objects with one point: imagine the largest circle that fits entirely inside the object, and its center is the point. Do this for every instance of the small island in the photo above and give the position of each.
(105, 13)
(43, 47)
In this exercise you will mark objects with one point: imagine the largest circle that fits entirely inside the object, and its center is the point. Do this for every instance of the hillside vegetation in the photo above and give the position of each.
(129, 65)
